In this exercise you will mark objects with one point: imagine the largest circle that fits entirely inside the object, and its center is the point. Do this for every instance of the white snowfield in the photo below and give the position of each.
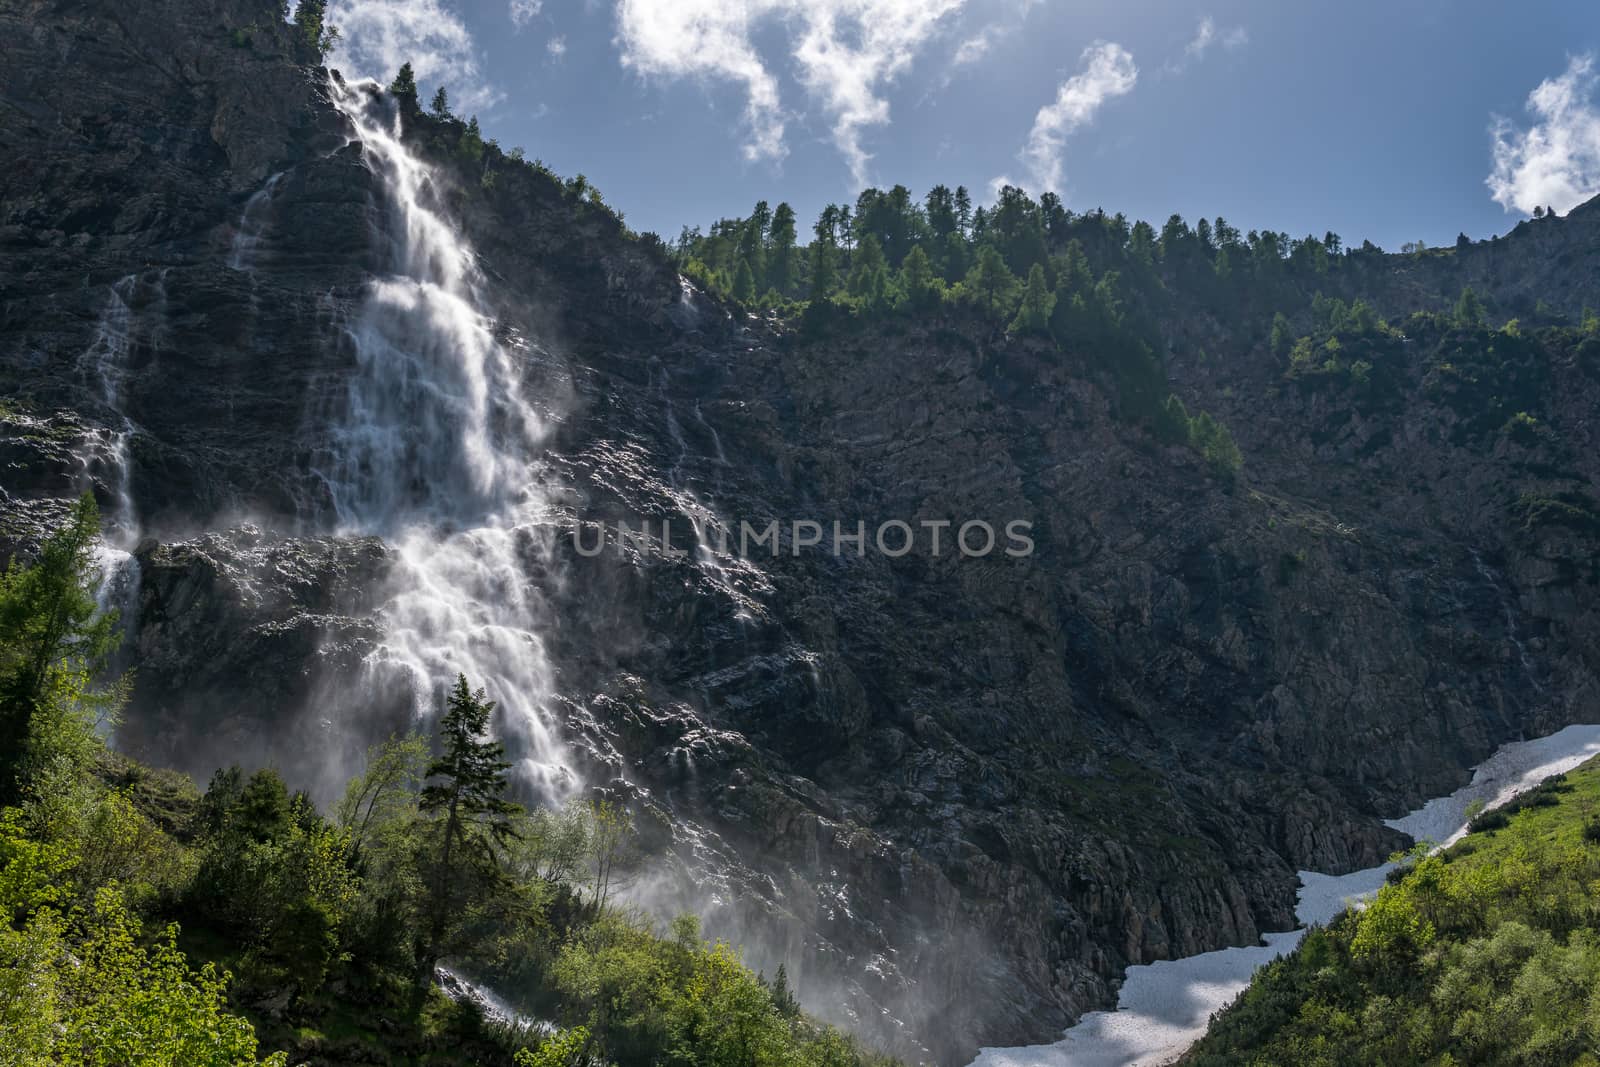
(1164, 1007)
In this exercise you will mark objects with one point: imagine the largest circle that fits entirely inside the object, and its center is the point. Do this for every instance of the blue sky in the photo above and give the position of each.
(1378, 119)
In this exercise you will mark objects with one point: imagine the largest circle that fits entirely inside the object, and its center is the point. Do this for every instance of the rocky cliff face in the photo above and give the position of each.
(956, 796)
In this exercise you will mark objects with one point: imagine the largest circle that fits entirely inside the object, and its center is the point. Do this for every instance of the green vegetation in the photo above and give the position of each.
(310, 21)
(1090, 284)
(405, 86)
(148, 923)
(1487, 953)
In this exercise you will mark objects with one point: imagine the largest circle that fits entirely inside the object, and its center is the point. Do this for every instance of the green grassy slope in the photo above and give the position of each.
(1487, 953)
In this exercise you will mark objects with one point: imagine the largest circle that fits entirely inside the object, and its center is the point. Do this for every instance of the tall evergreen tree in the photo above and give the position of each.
(941, 211)
(991, 279)
(918, 283)
(963, 211)
(405, 85)
(441, 103)
(869, 275)
(744, 283)
(1033, 314)
(781, 260)
(824, 270)
(465, 798)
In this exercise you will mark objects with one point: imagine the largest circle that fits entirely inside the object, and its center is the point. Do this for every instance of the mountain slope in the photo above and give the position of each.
(1484, 953)
(956, 796)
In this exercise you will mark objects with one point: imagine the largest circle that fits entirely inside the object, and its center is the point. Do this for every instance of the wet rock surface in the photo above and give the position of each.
(956, 796)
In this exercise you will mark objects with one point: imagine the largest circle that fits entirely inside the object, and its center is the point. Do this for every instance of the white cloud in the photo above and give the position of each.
(1556, 161)
(377, 36)
(707, 39)
(556, 46)
(1206, 37)
(845, 52)
(1108, 72)
(976, 47)
(524, 11)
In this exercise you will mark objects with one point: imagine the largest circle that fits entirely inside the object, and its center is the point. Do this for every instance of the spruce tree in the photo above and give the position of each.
(824, 273)
(868, 276)
(465, 798)
(918, 282)
(991, 279)
(781, 260)
(405, 85)
(1033, 314)
(441, 103)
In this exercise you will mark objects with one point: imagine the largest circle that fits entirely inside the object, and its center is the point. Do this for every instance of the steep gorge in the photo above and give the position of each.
(343, 401)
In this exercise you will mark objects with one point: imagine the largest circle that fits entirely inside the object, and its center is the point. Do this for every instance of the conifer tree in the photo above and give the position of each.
(868, 276)
(405, 85)
(744, 283)
(310, 18)
(991, 279)
(1282, 337)
(465, 798)
(781, 261)
(824, 271)
(1033, 314)
(441, 103)
(918, 282)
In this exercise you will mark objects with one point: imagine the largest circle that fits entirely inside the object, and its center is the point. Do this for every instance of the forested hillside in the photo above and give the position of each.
(150, 923)
(1315, 529)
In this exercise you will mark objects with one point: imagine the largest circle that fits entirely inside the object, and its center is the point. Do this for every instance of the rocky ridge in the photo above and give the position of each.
(956, 796)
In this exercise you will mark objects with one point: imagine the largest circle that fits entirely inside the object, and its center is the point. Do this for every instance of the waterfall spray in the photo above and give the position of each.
(438, 455)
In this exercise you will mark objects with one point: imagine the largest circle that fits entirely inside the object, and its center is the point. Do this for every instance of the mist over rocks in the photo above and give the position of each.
(955, 796)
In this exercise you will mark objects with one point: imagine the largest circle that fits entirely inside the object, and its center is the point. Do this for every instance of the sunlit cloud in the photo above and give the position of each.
(524, 11)
(1207, 36)
(1555, 161)
(377, 36)
(1108, 71)
(845, 54)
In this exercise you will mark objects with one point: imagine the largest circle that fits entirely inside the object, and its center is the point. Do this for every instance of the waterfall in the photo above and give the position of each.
(104, 366)
(438, 454)
(727, 573)
(252, 226)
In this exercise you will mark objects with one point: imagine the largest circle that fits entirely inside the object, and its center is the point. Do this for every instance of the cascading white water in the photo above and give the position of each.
(105, 366)
(247, 235)
(735, 578)
(438, 455)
